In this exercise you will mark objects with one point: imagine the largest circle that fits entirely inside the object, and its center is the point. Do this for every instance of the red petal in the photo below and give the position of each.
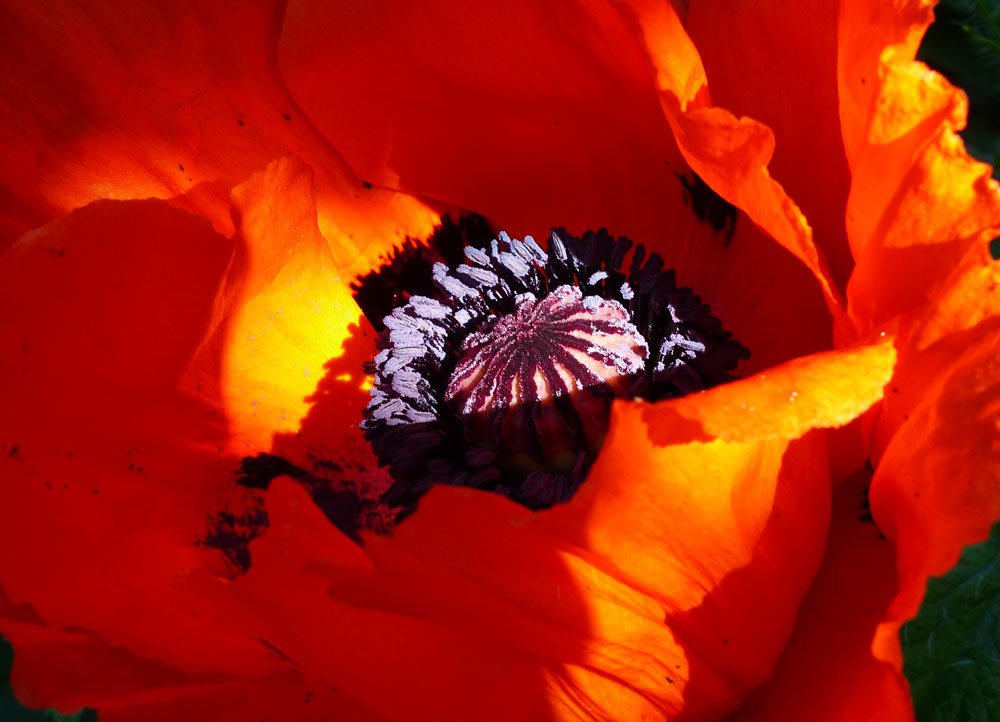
(120, 475)
(491, 109)
(827, 672)
(133, 100)
(731, 155)
(539, 140)
(81, 136)
(113, 474)
(779, 66)
(72, 669)
(567, 606)
(74, 343)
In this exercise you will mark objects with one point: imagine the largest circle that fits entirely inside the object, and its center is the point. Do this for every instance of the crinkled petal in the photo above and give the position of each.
(866, 29)
(918, 203)
(955, 316)
(947, 496)
(732, 155)
(778, 65)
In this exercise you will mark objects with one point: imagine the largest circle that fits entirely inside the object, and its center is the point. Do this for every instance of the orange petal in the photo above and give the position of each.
(971, 296)
(918, 203)
(867, 28)
(959, 312)
(947, 496)
(286, 307)
(822, 391)
(827, 673)
(779, 66)
(568, 606)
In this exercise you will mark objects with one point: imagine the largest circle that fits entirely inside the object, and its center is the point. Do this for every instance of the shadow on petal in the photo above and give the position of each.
(828, 672)
(115, 473)
(343, 476)
(735, 636)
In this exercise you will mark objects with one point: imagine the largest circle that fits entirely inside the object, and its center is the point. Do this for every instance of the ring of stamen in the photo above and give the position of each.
(503, 381)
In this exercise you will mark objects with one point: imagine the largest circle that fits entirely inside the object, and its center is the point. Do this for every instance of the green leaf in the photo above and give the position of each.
(983, 31)
(12, 711)
(951, 650)
(964, 45)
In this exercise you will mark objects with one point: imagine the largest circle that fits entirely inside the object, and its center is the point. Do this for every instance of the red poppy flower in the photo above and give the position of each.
(189, 194)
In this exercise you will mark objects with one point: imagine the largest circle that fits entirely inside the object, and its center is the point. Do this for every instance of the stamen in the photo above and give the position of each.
(503, 381)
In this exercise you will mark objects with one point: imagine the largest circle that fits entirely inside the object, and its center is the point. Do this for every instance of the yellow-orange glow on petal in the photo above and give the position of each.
(706, 524)
(517, 585)
(914, 142)
(291, 308)
(918, 202)
(825, 390)
(866, 29)
(658, 615)
(362, 231)
(697, 497)
(586, 621)
(678, 66)
(971, 297)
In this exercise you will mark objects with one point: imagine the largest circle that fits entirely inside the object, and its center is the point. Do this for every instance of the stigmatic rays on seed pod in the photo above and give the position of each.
(504, 379)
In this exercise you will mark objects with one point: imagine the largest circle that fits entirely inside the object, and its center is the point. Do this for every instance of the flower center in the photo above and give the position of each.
(502, 379)
(535, 386)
